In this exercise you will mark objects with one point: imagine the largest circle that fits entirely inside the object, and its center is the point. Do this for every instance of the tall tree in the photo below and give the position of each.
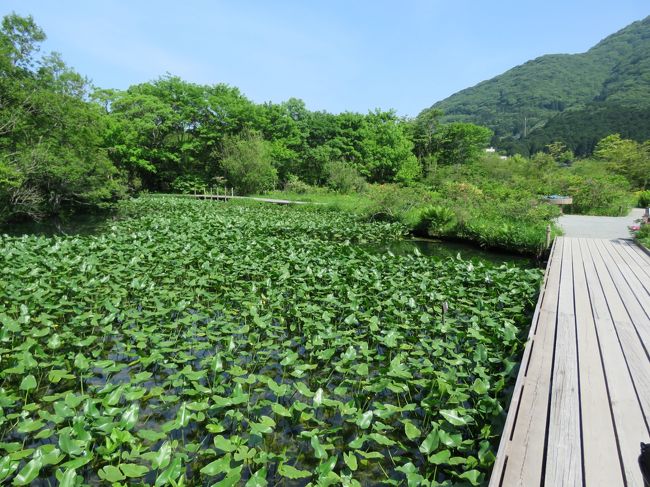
(51, 152)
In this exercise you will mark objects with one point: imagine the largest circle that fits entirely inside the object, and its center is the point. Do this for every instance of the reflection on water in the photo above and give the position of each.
(445, 249)
(86, 224)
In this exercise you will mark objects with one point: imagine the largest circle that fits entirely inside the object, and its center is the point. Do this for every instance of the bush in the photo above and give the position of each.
(643, 199)
(297, 186)
(391, 202)
(343, 177)
(247, 163)
(437, 220)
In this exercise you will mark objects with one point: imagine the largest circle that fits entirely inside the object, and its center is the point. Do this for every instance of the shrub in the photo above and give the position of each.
(438, 220)
(247, 163)
(295, 185)
(391, 202)
(643, 200)
(343, 177)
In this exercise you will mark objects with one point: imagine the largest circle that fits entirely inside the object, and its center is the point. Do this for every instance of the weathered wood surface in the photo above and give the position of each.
(581, 403)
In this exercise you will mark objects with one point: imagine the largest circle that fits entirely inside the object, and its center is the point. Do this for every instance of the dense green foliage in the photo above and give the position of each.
(51, 140)
(247, 163)
(627, 158)
(287, 352)
(494, 202)
(577, 99)
(65, 148)
(643, 236)
(169, 129)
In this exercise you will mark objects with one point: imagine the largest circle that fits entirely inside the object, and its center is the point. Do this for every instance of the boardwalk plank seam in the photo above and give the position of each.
(637, 271)
(590, 292)
(586, 346)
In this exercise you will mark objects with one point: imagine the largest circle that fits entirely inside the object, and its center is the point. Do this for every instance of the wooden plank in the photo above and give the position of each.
(497, 469)
(631, 291)
(629, 421)
(524, 452)
(631, 320)
(564, 443)
(638, 256)
(638, 265)
(600, 446)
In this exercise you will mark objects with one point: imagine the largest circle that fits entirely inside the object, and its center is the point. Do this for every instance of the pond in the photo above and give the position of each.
(89, 224)
(94, 224)
(198, 343)
(444, 249)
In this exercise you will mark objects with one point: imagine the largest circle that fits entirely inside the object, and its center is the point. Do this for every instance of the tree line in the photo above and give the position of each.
(66, 145)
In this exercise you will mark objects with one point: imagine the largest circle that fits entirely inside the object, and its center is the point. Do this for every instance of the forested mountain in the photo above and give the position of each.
(573, 98)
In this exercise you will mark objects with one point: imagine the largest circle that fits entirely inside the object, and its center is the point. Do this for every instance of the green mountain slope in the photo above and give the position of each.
(601, 91)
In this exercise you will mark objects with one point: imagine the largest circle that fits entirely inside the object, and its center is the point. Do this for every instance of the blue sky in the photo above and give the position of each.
(336, 55)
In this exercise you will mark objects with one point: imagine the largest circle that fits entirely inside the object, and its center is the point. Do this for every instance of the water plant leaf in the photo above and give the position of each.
(279, 409)
(133, 470)
(218, 466)
(454, 417)
(412, 431)
(111, 473)
(350, 460)
(224, 444)
(473, 476)
(7, 467)
(319, 451)
(292, 473)
(430, 443)
(364, 420)
(28, 383)
(258, 479)
(130, 416)
(29, 472)
(67, 478)
(171, 473)
(442, 456)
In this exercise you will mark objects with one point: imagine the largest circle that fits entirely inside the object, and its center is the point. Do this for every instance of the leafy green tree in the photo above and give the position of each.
(246, 162)
(385, 149)
(51, 139)
(459, 143)
(560, 153)
(423, 128)
(626, 157)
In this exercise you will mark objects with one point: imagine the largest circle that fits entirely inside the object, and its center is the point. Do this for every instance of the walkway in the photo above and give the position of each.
(226, 197)
(599, 226)
(581, 403)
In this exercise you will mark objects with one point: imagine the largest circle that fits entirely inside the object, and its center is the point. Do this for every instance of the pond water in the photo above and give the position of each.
(88, 224)
(444, 249)
(95, 224)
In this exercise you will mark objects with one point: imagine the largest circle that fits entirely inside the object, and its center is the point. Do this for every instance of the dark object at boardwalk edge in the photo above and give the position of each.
(644, 463)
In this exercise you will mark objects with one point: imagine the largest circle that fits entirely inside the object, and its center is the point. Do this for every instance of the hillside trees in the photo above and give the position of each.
(577, 99)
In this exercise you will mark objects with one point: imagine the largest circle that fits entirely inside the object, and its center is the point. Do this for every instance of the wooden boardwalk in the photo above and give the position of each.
(226, 197)
(581, 403)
